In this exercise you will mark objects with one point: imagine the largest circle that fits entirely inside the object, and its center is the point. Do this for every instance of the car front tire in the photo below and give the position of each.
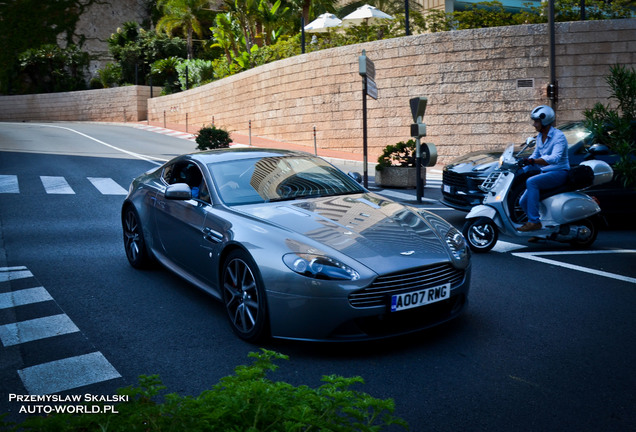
(134, 243)
(244, 296)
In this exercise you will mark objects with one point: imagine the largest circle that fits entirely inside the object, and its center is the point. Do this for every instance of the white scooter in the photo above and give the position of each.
(566, 213)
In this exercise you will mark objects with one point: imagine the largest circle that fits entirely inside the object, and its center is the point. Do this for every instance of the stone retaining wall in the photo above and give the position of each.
(122, 104)
(481, 85)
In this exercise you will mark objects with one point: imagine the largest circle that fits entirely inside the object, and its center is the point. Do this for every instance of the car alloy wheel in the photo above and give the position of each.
(481, 234)
(243, 295)
(134, 244)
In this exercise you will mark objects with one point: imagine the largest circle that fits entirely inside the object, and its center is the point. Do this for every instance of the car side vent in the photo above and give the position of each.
(525, 83)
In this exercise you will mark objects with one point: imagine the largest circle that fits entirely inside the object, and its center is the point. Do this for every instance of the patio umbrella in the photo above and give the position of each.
(323, 23)
(366, 13)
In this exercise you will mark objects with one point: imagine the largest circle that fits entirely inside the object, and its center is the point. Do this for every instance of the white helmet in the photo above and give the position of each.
(543, 113)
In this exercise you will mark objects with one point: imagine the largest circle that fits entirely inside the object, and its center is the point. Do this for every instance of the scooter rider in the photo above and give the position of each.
(549, 162)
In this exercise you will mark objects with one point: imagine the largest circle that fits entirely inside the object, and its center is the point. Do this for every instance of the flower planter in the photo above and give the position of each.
(398, 177)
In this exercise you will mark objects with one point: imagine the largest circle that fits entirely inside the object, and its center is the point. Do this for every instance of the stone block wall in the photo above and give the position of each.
(122, 104)
(481, 85)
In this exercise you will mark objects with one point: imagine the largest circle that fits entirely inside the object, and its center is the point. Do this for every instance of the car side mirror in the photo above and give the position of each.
(356, 176)
(599, 150)
(178, 191)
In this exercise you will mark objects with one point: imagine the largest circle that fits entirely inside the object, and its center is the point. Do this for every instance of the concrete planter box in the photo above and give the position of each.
(398, 177)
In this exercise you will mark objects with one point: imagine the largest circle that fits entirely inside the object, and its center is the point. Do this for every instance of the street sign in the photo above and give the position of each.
(366, 66)
(418, 108)
(372, 88)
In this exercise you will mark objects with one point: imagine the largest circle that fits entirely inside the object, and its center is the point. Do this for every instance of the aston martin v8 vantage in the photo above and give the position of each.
(295, 248)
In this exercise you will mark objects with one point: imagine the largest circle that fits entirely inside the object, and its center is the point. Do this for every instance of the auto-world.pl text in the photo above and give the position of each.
(67, 404)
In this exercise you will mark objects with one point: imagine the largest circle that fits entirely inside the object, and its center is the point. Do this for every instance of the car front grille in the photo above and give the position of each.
(454, 179)
(411, 280)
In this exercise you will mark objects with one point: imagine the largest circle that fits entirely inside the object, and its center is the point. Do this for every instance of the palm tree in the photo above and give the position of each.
(185, 15)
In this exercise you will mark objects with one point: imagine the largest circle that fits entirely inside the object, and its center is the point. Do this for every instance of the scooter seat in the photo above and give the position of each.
(579, 177)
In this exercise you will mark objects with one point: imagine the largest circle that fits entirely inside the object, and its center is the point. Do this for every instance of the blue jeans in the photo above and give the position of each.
(542, 180)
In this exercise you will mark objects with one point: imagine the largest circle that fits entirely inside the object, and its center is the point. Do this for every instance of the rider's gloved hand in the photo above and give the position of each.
(526, 161)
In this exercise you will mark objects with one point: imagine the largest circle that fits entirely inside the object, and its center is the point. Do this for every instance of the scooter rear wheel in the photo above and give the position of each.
(590, 238)
(481, 234)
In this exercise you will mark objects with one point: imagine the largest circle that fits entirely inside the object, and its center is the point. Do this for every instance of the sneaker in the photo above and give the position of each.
(530, 226)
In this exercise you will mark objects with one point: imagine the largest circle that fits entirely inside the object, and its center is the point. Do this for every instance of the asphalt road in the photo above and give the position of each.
(546, 342)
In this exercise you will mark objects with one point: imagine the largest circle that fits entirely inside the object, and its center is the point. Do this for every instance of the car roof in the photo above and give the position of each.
(237, 153)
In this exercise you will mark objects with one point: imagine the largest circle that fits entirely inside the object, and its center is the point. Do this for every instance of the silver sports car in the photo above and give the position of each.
(294, 247)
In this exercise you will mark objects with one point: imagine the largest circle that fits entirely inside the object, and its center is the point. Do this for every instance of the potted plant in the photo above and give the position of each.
(396, 166)
(210, 137)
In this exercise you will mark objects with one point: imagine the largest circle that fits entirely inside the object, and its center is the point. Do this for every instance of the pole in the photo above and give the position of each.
(406, 17)
(552, 42)
(418, 169)
(365, 176)
(302, 35)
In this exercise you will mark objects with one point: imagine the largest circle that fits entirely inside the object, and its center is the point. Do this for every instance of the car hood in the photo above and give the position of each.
(381, 234)
(476, 161)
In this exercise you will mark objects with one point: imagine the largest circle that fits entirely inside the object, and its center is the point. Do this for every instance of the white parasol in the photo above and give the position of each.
(366, 13)
(323, 23)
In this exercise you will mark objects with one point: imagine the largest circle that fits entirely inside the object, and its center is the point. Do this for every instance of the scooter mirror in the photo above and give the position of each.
(531, 142)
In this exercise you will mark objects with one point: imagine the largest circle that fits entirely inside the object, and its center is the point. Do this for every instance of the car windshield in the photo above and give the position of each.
(258, 180)
(574, 133)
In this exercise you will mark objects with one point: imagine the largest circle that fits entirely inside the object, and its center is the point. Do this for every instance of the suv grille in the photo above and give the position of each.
(454, 179)
(409, 280)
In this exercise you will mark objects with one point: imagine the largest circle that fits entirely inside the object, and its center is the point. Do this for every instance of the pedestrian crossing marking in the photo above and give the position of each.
(14, 273)
(9, 184)
(55, 376)
(56, 185)
(35, 329)
(24, 297)
(67, 374)
(107, 186)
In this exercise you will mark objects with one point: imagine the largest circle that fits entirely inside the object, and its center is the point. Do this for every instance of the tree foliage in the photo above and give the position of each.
(30, 25)
(53, 69)
(616, 127)
(135, 50)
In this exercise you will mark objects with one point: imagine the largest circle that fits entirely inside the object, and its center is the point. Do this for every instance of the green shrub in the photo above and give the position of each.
(245, 401)
(400, 154)
(210, 137)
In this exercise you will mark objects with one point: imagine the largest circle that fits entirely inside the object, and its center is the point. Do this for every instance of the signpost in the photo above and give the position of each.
(366, 68)
(418, 130)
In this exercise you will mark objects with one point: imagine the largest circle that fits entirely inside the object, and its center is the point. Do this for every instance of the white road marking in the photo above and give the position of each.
(503, 247)
(68, 373)
(536, 256)
(35, 329)
(14, 273)
(133, 154)
(56, 185)
(9, 184)
(107, 186)
(24, 297)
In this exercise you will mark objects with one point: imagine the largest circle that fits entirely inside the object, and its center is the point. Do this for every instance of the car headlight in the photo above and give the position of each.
(319, 267)
(456, 243)
(453, 238)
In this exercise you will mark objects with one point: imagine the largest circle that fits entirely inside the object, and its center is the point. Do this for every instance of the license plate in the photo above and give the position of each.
(419, 298)
(447, 188)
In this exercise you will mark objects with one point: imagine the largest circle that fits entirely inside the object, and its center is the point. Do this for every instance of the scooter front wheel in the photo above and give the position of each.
(481, 234)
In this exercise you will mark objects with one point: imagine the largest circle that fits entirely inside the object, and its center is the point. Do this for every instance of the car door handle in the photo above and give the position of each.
(212, 236)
